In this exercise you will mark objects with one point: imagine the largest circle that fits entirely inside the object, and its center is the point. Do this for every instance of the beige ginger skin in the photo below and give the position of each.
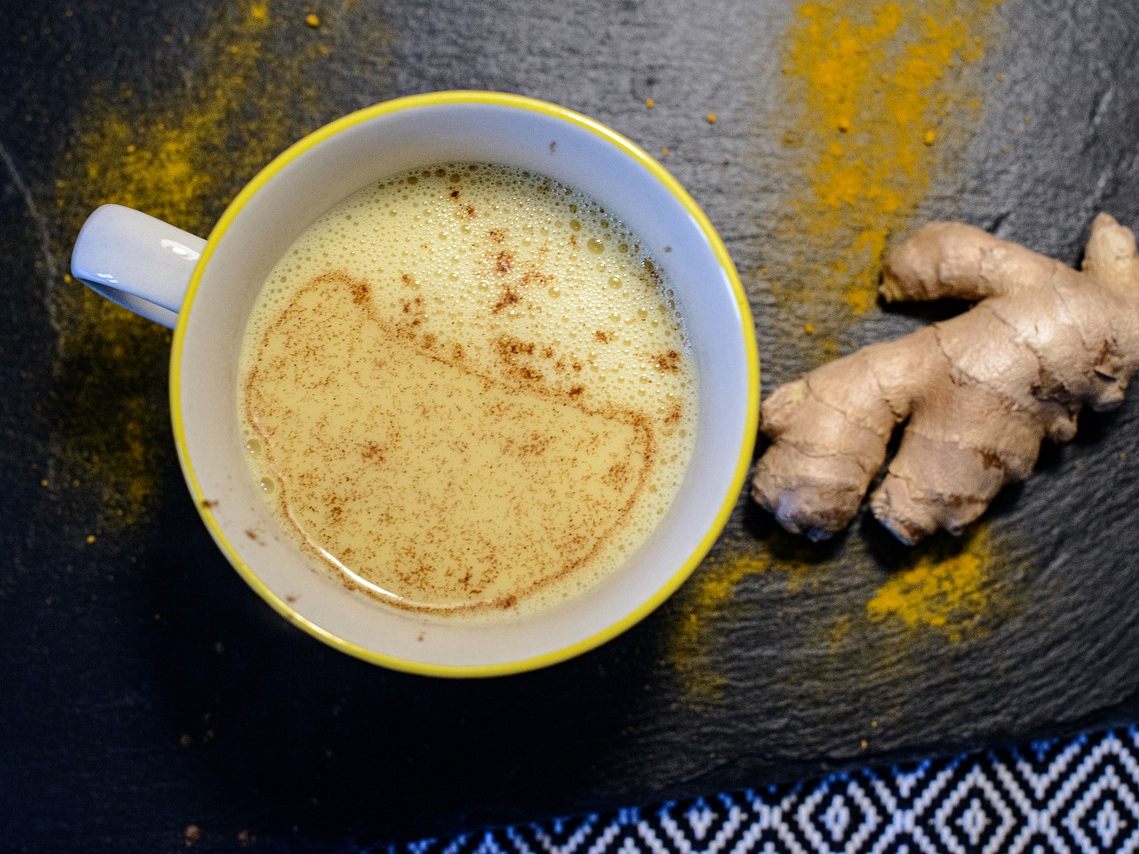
(977, 392)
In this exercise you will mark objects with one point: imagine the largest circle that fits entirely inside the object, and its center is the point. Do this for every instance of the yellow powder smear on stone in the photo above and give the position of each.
(232, 122)
(872, 85)
(947, 594)
(702, 598)
(180, 154)
(692, 651)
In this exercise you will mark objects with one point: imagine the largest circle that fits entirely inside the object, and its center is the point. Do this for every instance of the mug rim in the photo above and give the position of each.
(638, 155)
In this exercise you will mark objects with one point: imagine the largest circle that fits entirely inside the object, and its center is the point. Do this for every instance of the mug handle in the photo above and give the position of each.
(136, 261)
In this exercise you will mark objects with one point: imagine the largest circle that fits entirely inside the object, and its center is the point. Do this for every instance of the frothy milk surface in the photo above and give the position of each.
(468, 391)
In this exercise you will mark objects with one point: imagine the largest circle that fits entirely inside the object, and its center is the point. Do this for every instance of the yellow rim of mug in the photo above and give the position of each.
(659, 172)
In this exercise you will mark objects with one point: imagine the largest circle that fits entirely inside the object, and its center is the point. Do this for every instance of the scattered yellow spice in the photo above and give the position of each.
(705, 598)
(710, 118)
(945, 592)
(180, 154)
(312, 20)
(650, 103)
(664, 152)
(929, 137)
(867, 72)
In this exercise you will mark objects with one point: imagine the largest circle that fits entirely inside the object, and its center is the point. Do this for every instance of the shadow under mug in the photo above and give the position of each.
(205, 290)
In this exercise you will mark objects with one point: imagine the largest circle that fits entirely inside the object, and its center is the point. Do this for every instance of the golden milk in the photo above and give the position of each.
(467, 390)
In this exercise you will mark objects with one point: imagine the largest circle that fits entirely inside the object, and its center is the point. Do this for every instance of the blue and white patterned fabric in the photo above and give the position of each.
(1080, 794)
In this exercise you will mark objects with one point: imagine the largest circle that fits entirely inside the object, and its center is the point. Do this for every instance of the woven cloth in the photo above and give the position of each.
(1078, 794)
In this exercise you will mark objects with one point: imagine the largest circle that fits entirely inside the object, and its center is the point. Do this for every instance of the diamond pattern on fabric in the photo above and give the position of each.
(1075, 795)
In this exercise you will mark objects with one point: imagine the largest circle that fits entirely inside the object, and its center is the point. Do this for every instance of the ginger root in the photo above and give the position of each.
(977, 392)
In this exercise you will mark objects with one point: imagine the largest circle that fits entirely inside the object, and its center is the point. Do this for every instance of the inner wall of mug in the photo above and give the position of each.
(321, 177)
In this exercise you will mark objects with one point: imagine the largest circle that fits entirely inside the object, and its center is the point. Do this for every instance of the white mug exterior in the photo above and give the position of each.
(136, 261)
(321, 170)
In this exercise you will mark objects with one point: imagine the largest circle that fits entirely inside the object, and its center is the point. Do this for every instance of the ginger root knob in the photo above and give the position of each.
(977, 393)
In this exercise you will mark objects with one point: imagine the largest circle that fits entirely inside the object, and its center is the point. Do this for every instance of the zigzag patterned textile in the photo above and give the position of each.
(1077, 795)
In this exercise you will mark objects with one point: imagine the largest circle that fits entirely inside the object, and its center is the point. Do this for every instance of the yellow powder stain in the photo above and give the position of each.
(179, 154)
(873, 84)
(703, 607)
(840, 631)
(703, 598)
(945, 593)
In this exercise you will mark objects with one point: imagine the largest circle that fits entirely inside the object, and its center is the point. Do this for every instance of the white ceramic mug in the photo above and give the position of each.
(206, 289)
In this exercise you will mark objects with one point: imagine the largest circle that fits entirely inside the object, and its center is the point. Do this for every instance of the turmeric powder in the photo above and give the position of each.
(870, 81)
(945, 593)
(179, 158)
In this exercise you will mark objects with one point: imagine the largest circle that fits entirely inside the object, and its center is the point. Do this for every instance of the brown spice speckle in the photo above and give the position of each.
(509, 297)
(508, 347)
(617, 476)
(192, 835)
(669, 361)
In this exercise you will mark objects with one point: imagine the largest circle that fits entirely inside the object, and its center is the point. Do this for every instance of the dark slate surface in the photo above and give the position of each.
(145, 688)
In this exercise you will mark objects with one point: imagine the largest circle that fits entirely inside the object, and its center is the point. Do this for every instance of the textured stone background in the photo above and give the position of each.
(145, 688)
